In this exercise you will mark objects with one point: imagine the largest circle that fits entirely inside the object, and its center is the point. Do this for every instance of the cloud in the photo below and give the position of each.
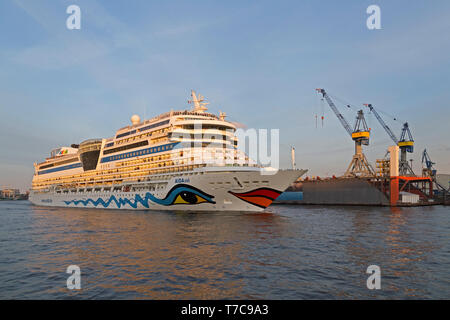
(412, 46)
(72, 47)
(417, 44)
(180, 29)
(57, 55)
(43, 14)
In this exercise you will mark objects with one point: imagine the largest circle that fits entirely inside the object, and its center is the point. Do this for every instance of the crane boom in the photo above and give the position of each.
(336, 111)
(383, 124)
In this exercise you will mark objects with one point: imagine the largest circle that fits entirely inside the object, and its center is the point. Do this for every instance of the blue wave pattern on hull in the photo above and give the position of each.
(167, 201)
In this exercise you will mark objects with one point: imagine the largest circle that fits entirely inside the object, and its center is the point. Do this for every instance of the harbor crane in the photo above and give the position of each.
(429, 171)
(359, 166)
(406, 142)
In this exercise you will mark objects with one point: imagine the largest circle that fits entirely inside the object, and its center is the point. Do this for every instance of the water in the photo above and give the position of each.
(288, 252)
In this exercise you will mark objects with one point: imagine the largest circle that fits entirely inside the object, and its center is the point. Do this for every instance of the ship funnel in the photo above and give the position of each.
(89, 152)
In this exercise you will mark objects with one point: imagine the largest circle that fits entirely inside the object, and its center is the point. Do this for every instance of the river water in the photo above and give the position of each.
(286, 252)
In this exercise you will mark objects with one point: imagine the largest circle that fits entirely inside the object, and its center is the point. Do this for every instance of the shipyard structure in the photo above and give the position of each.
(391, 183)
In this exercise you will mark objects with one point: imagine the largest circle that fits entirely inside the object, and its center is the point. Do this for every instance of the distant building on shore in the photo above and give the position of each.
(12, 194)
(9, 193)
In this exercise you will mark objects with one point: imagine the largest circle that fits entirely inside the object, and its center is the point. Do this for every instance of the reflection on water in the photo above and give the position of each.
(287, 252)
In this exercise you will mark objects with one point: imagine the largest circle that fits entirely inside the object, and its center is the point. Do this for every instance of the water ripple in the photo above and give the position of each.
(288, 252)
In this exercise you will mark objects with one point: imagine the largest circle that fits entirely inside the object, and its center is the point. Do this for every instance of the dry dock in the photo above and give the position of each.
(394, 191)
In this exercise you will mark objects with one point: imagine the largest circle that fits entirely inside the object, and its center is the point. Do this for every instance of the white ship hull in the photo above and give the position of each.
(207, 189)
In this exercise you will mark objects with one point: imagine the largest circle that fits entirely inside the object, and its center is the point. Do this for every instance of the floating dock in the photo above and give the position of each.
(392, 191)
(345, 191)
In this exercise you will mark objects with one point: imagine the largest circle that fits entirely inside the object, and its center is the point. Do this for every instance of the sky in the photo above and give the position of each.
(258, 61)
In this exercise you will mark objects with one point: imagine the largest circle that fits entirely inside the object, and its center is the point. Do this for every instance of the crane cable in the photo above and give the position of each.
(320, 108)
(350, 106)
(316, 108)
(390, 116)
(346, 103)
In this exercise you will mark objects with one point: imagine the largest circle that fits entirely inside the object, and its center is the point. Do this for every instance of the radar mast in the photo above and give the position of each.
(199, 104)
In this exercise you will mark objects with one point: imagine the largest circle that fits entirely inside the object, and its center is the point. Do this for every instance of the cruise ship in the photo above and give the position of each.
(180, 160)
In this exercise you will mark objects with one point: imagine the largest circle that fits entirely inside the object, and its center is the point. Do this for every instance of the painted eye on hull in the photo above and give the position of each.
(187, 195)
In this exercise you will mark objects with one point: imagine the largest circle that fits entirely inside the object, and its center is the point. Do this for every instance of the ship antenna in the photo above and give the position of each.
(199, 104)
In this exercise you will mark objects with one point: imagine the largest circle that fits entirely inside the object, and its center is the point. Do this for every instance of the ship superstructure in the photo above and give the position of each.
(185, 158)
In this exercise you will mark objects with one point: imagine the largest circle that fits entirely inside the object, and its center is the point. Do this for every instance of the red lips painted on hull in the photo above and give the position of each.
(261, 197)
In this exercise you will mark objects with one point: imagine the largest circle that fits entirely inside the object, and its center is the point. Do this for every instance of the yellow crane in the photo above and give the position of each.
(359, 166)
(406, 142)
